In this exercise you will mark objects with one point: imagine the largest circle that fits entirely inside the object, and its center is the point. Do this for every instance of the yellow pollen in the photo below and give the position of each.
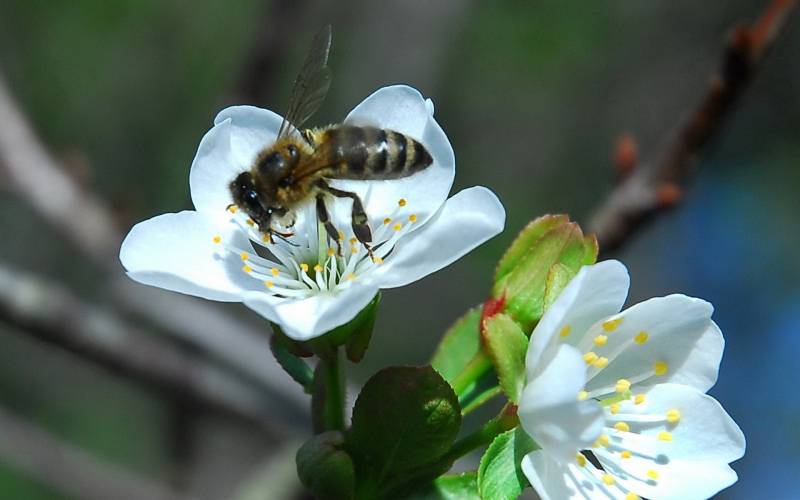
(304, 267)
(351, 276)
(377, 260)
(673, 416)
(402, 202)
(244, 255)
(632, 496)
(265, 238)
(250, 222)
(652, 474)
(664, 436)
(398, 226)
(217, 239)
(353, 240)
(354, 250)
(269, 284)
(412, 218)
(318, 268)
(590, 357)
(247, 269)
(660, 368)
(582, 395)
(622, 427)
(622, 385)
(330, 252)
(564, 331)
(602, 441)
(387, 221)
(625, 454)
(341, 236)
(614, 409)
(601, 340)
(641, 338)
(611, 324)
(275, 271)
(608, 479)
(639, 399)
(601, 362)
(233, 209)
(580, 459)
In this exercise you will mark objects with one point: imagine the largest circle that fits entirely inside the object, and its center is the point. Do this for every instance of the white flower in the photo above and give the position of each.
(628, 388)
(302, 284)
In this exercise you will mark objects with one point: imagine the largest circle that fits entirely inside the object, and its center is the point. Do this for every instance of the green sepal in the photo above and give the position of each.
(294, 366)
(458, 345)
(462, 486)
(500, 475)
(362, 326)
(325, 468)
(404, 421)
(522, 277)
(507, 344)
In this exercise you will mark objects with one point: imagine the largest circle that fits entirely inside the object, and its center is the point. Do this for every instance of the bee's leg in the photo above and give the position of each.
(325, 219)
(358, 216)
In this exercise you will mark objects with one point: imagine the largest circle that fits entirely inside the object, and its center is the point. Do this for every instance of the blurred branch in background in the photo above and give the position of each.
(646, 190)
(85, 220)
(69, 470)
(53, 314)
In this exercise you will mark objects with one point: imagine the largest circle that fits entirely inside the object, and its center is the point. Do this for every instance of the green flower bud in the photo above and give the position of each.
(325, 468)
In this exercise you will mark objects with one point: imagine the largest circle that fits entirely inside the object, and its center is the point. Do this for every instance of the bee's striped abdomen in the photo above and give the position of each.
(373, 153)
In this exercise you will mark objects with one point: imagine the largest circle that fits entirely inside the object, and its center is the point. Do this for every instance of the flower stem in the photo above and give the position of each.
(506, 420)
(481, 399)
(477, 366)
(334, 396)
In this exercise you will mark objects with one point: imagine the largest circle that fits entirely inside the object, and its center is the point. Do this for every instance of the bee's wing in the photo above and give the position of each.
(311, 84)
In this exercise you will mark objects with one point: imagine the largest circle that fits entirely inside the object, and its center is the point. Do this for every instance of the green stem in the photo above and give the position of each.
(480, 400)
(333, 410)
(506, 420)
(477, 366)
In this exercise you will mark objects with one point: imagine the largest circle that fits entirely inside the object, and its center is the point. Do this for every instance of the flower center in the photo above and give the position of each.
(309, 262)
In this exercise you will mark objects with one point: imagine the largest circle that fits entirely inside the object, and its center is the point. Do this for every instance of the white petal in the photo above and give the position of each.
(213, 168)
(551, 478)
(402, 109)
(177, 252)
(467, 219)
(252, 129)
(309, 318)
(595, 292)
(693, 464)
(674, 326)
(550, 411)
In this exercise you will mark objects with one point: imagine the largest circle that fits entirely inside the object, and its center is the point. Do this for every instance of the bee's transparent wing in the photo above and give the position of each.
(311, 84)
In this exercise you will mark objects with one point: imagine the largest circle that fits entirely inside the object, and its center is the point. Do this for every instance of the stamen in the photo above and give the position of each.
(639, 399)
(608, 479)
(269, 284)
(351, 277)
(387, 221)
(641, 338)
(652, 474)
(247, 268)
(590, 357)
(602, 441)
(275, 271)
(622, 385)
(601, 340)
(331, 251)
(353, 240)
(632, 496)
(250, 222)
(664, 436)
(611, 324)
(397, 227)
(673, 416)
(377, 260)
(622, 427)
(600, 362)
(217, 239)
(625, 454)
(614, 408)
(233, 209)
(580, 459)
(402, 202)
(660, 368)
(244, 256)
(304, 267)
(412, 218)
(582, 395)
(564, 331)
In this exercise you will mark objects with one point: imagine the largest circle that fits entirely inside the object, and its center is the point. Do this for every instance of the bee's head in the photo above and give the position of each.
(274, 168)
(245, 196)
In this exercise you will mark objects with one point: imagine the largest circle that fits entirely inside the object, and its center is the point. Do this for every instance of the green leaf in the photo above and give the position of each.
(500, 475)
(405, 418)
(462, 486)
(525, 240)
(459, 345)
(325, 468)
(294, 366)
(507, 344)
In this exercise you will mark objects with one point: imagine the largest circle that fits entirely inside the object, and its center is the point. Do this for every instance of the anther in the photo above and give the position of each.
(580, 459)
(398, 227)
(582, 395)
(402, 202)
(625, 454)
(353, 240)
(387, 221)
(608, 479)
(641, 338)
(331, 251)
(244, 256)
(247, 268)
(564, 331)
(611, 324)
(377, 260)
(318, 268)
(614, 408)
(639, 399)
(632, 496)
(660, 368)
(590, 357)
(341, 236)
(217, 239)
(275, 271)
(664, 436)
(673, 416)
(622, 427)
(602, 441)
(622, 385)
(600, 362)
(304, 267)
(351, 277)
(652, 474)
(233, 209)
(601, 340)
(412, 218)
(354, 250)
(250, 222)
(269, 284)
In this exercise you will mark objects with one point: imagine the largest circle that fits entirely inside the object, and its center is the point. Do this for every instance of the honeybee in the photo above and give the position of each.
(296, 167)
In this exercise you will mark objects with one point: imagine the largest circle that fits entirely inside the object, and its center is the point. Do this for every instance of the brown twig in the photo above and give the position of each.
(70, 470)
(658, 185)
(55, 315)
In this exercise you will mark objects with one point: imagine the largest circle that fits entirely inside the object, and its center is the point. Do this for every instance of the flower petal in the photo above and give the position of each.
(214, 167)
(658, 335)
(308, 318)
(177, 252)
(402, 109)
(595, 292)
(252, 129)
(692, 463)
(467, 219)
(552, 479)
(550, 411)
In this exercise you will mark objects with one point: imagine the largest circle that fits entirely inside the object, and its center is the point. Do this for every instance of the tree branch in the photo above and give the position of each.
(656, 186)
(70, 470)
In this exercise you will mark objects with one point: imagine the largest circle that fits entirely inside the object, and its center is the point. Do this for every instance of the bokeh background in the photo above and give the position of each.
(533, 96)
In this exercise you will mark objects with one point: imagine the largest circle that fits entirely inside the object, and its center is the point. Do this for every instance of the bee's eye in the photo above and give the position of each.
(251, 195)
(272, 163)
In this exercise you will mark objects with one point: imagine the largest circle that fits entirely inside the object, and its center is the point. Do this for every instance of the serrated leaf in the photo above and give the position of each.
(459, 345)
(404, 418)
(462, 486)
(500, 475)
(507, 344)
(526, 239)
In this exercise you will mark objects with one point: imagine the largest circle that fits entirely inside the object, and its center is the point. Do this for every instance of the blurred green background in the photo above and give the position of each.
(532, 94)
